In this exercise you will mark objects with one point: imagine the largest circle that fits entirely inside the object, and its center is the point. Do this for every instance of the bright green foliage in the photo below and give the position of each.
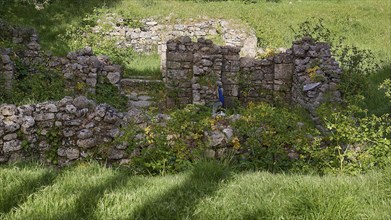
(81, 35)
(173, 145)
(386, 86)
(355, 144)
(54, 139)
(144, 65)
(266, 138)
(109, 94)
(267, 134)
(42, 85)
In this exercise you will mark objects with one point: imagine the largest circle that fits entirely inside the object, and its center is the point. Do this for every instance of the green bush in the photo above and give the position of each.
(355, 143)
(34, 83)
(268, 134)
(173, 146)
(81, 35)
(108, 93)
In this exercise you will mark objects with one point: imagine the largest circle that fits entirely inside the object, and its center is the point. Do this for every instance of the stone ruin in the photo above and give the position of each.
(81, 67)
(153, 33)
(305, 74)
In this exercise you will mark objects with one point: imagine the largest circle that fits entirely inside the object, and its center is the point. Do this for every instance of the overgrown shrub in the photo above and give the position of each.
(355, 144)
(172, 146)
(268, 135)
(109, 94)
(81, 35)
(34, 83)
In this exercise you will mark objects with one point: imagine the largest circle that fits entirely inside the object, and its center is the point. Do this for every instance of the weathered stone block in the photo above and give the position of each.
(8, 110)
(43, 116)
(81, 102)
(172, 56)
(84, 134)
(114, 77)
(283, 71)
(116, 154)
(11, 146)
(173, 65)
(9, 137)
(10, 126)
(72, 153)
(86, 143)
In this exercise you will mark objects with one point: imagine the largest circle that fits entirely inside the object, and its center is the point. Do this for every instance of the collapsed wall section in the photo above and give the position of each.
(82, 70)
(58, 132)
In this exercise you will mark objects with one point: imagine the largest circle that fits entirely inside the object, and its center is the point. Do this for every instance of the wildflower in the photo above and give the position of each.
(236, 143)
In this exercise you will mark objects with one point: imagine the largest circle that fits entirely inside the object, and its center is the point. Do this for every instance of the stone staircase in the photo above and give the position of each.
(143, 92)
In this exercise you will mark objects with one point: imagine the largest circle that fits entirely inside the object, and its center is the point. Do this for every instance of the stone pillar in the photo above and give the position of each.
(316, 74)
(207, 67)
(179, 71)
(230, 74)
(6, 73)
(283, 75)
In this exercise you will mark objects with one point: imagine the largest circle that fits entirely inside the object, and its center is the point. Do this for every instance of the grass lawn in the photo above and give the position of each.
(144, 65)
(209, 191)
(364, 23)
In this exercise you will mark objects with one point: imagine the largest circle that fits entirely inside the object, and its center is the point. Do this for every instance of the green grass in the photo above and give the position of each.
(375, 100)
(144, 65)
(365, 23)
(208, 191)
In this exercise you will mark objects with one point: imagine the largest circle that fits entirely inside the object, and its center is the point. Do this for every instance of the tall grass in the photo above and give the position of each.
(208, 191)
(365, 23)
(144, 65)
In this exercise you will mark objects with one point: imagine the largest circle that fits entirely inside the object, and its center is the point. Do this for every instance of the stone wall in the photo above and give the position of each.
(7, 71)
(60, 131)
(153, 33)
(81, 69)
(305, 74)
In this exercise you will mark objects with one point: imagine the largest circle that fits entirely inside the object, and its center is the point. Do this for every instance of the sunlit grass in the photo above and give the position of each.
(364, 23)
(208, 191)
(144, 65)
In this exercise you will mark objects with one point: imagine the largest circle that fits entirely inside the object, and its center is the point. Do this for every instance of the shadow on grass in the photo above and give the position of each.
(258, 214)
(17, 196)
(375, 99)
(53, 19)
(88, 200)
(180, 201)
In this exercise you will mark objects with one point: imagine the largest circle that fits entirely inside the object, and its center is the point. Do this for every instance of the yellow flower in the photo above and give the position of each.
(213, 124)
(147, 130)
(236, 143)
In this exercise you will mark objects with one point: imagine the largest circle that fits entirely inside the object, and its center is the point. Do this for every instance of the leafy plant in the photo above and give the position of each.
(108, 93)
(174, 145)
(81, 35)
(386, 86)
(355, 144)
(34, 82)
(54, 139)
(267, 135)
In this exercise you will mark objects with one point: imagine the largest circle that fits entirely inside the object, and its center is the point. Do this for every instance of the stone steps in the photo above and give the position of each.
(142, 91)
(129, 84)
